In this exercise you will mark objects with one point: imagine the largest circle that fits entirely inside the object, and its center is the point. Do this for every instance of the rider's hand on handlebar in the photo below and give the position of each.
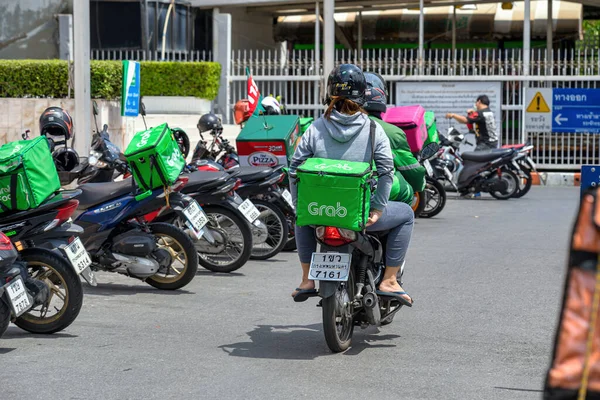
(373, 217)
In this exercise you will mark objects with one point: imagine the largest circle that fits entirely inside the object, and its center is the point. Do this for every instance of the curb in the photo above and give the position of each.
(556, 178)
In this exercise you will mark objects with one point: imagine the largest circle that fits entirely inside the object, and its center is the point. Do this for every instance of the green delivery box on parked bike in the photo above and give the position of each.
(27, 174)
(154, 158)
(333, 193)
(432, 133)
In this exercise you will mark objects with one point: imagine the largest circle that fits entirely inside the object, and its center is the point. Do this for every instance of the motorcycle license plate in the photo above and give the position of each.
(428, 167)
(249, 210)
(330, 267)
(195, 216)
(287, 196)
(78, 256)
(17, 296)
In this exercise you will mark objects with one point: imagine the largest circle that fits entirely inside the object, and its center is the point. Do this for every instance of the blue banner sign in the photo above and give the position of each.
(576, 110)
(130, 93)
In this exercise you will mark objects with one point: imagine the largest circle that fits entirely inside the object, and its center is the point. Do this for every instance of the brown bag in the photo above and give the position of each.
(575, 369)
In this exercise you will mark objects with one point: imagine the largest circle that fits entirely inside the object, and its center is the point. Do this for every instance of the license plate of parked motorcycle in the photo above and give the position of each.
(287, 196)
(249, 210)
(428, 167)
(196, 216)
(79, 257)
(17, 295)
(330, 266)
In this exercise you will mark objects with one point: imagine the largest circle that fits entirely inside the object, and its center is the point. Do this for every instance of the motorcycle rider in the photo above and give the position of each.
(343, 132)
(410, 172)
(483, 121)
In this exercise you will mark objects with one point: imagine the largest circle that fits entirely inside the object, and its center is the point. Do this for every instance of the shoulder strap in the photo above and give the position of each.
(372, 133)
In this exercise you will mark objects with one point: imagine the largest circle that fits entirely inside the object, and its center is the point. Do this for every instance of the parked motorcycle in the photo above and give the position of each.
(434, 193)
(349, 267)
(54, 259)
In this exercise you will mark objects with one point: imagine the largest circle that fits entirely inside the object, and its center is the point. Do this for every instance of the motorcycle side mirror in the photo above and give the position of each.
(95, 107)
(429, 151)
(142, 108)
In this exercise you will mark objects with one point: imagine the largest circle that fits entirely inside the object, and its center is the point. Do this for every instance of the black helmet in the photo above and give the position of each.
(376, 95)
(55, 121)
(348, 81)
(65, 159)
(209, 122)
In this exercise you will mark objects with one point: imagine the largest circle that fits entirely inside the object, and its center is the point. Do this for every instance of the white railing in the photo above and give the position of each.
(296, 77)
(141, 55)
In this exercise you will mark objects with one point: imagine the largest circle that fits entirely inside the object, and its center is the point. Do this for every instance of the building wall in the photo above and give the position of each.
(29, 28)
(250, 31)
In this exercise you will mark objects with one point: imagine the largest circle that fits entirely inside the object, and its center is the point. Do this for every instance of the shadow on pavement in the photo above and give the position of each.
(117, 289)
(201, 271)
(299, 342)
(5, 350)
(14, 332)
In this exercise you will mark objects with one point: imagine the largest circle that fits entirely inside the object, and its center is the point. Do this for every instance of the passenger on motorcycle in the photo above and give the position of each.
(343, 132)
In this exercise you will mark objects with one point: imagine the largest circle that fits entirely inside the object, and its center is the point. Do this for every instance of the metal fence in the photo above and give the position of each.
(142, 55)
(296, 77)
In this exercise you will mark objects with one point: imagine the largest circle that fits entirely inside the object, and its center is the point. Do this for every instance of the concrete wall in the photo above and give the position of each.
(22, 114)
(29, 28)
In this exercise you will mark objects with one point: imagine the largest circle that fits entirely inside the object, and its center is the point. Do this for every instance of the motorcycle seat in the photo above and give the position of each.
(98, 193)
(484, 156)
(204, 180)
(252, 174)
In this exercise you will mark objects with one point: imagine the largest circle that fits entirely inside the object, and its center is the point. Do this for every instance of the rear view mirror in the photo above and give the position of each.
(142, 108)
(429, 151)
(95, 107)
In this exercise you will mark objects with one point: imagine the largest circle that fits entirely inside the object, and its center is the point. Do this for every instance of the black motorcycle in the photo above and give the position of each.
(435, 194)
(349, 266)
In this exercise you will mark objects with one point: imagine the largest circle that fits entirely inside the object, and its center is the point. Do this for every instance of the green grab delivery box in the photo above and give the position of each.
(267, 140)
(155, 158)
(28, 175)
(430, 124)
(333, 193)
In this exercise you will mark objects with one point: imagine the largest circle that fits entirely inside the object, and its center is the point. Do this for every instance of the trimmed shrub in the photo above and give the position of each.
(49, 78)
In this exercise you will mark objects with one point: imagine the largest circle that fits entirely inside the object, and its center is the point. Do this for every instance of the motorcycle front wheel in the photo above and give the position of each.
(436, 198)
(418, 203)
(524, 182)
(65, 296)
(277, 230)
(513, 185)
(338, 316)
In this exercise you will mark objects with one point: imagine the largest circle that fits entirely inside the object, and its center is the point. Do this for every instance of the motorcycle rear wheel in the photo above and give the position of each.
(513, 185)
(277, 228)
(58, 274)
(418, 203)
(178, 243)
(338, 334)
(436, 195)
(4, 317)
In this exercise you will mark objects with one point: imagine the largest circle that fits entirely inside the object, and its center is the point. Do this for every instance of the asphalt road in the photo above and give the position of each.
(486, 276)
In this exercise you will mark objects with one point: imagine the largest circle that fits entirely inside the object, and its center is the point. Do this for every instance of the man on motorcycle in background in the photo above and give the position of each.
(410, 174)
(343, 132)
(484, 122)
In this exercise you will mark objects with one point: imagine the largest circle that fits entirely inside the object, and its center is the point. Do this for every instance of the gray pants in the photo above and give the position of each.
(397, 217)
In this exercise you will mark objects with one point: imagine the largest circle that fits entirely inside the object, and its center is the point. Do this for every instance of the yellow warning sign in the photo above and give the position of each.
(538, 104)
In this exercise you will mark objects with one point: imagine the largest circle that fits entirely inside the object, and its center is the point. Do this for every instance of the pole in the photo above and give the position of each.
(454, 31)
(164, 34)
(144, 16)
(328, 36)
(421, 35)
(360, 32)
(81, 58)
(317, 39)
(549, 39)
(527, 37)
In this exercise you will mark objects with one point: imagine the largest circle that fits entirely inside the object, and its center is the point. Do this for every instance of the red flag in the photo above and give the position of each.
(253, 92)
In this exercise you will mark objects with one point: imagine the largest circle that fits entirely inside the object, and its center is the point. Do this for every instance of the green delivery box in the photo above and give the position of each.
(430, 124)
(333, 193)
(154, 158)
(27, 174)
(268, 140)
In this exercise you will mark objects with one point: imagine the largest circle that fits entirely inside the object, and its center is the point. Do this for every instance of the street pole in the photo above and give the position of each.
(360, 34)
(454, 32)
(549, 40)
(328, 36)
(164, 34)
(317, 38)
(421, 36)
(81, 59)
(527, 37)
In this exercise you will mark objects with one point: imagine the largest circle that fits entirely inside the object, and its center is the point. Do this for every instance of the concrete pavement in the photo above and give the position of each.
(486, 276)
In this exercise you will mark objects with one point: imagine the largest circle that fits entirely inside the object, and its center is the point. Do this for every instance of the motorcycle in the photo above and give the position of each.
(54, 260)
(434, 193)
(349, 267)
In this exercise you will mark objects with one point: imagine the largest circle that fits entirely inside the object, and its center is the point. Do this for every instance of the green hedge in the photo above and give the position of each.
(48, 78)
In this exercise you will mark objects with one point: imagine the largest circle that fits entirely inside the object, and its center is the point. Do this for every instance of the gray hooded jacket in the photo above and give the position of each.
(347, 137)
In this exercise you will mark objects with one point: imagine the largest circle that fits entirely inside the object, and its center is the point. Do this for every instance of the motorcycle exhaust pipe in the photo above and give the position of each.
(370, 300)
